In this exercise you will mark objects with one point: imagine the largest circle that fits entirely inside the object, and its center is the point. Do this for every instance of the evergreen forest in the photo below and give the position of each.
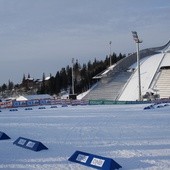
(62, 80)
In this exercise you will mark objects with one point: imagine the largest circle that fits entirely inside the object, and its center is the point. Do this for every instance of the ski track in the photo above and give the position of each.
(135, 138)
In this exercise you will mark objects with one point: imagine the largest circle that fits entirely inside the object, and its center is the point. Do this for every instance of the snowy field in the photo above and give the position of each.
(133, 137)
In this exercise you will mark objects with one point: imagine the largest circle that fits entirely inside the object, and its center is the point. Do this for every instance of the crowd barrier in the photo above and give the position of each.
(52, 102)
(40, 102)
(6, 104)
(113, 102)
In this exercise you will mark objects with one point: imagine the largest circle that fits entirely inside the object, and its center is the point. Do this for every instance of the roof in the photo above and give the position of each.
(47, 78)
(39, 96)
(21, 98)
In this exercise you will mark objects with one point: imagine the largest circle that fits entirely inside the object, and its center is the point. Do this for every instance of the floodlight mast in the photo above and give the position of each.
(137, 41)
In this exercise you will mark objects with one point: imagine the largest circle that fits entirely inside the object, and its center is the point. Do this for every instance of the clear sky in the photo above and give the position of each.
(39, 36)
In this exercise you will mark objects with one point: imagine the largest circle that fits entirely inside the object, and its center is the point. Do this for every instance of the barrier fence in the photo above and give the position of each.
(113, 102)
(40, 102)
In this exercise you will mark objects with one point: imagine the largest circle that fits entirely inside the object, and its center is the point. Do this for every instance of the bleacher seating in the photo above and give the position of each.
(111, 89)
(111, 83)
(163, 83)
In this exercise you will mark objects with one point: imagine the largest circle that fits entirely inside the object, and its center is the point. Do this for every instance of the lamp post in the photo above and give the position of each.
(72, 75)
(137, 41)
(110, 43)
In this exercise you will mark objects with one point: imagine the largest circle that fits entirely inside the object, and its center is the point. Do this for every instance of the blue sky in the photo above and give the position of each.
(39, 36)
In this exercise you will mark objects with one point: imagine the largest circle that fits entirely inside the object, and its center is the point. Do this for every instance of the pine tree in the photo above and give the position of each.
(43, 89)
(23, 79)
(57, 83)
(10, 85)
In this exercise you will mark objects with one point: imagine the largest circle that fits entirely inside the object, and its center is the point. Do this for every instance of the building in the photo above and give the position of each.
(120, 82)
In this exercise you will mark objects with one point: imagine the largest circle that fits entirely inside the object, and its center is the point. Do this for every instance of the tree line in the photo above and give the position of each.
(62, 80)
(83, 76)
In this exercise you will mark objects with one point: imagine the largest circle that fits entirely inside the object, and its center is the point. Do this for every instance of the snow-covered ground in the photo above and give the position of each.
(133, 137)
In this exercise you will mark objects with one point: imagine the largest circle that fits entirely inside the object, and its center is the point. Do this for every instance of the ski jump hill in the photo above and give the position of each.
(120, 81)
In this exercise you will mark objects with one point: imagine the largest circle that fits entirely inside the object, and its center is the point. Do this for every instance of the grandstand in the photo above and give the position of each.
(120, 82)
(163, 83)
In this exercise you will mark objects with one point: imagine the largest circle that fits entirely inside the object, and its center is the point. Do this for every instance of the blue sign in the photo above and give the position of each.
(4, 136)
(64, 105)
(53, 106)
(94, 161)
(28, 108)
(33, 102)
(149, 107)
(30, 144)
(45, 102)
(42, 107)
(13, 110)
(19, 103)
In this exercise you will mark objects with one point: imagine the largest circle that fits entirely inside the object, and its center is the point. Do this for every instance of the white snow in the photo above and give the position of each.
(148, 68)
(108, 69)
(21, 98)
(47, 78)
(80, 96)
(133, 137)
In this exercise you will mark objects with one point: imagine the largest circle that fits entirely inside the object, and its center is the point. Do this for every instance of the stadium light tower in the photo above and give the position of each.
(72, 75)
(137, 41)
(110, 43)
